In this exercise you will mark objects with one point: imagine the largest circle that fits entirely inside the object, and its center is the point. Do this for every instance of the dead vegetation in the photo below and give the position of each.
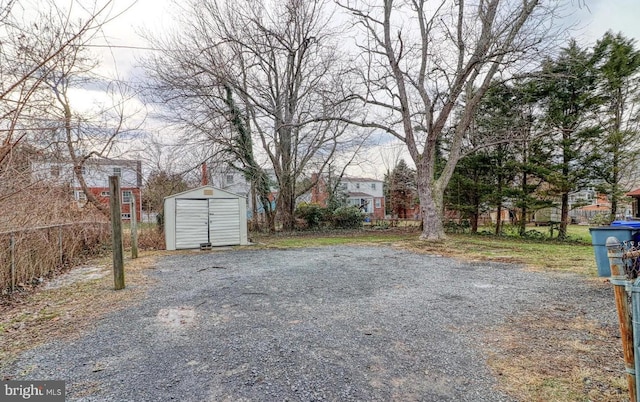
(29, 256)
(30, 319)
(553, 354)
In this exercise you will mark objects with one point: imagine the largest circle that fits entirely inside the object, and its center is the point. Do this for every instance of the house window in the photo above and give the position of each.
(126, 196)
(117, 171)
(229, 179)
(373, 186)
(358, 186)
(343, 186)
(378, 203)
(125, 216)
(81, 196)
(55, 170)
(104, 194)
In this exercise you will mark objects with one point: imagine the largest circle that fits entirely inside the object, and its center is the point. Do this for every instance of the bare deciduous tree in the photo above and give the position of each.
(428, 65)
(43, 55)
(271, 74)
(29, 50)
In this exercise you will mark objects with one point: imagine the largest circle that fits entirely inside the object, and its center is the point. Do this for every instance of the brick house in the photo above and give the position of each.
(96, 173)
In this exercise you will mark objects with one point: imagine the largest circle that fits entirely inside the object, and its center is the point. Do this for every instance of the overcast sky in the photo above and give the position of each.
(603, 15)
(590, 20)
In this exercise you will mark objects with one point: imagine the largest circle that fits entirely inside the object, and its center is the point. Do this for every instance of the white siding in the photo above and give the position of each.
(371, 187)
(205, 215)
(224, 222)
(191, 223)
(96, 173)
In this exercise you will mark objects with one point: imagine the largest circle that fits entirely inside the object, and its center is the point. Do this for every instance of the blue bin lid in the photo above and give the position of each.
(629, 224)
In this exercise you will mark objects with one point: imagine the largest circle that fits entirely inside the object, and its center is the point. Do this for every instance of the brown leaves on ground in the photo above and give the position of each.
(30, 319)
(557, 354)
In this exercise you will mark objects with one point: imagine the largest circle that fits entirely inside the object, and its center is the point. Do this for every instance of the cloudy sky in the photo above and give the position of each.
(599, 16)
(590, 19)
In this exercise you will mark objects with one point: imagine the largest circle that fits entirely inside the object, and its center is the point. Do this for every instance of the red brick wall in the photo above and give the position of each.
(125, 208)
(378, 213)
(319, 193)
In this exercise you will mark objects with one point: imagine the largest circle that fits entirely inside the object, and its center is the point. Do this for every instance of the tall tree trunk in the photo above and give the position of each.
(615, 187)
(475, 215)
(523, 217)
(431, 203)
(254, 206)
(564, 216)
(499, 207)
(286, 203)
(564, 206)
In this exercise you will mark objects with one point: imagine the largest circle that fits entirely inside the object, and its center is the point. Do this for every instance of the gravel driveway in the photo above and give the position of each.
(342, 323)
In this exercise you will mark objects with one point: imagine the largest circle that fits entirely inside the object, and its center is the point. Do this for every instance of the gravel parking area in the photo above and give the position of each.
(334, 323)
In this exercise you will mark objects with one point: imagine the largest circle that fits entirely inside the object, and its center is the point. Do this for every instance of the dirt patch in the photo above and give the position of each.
(67, 306)
(553, 355)
(176, 317)
(79, 274)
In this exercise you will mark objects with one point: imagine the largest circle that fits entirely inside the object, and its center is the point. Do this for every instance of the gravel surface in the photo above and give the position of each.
(333, 323)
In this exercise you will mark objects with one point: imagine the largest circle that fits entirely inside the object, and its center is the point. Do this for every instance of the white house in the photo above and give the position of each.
(365, 193)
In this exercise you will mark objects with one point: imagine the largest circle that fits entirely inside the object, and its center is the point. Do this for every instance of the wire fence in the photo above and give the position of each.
(28, 256)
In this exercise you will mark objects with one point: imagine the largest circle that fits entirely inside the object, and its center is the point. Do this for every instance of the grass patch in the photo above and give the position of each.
(574, 232)
(554, 355)
(33, 318)
(541, 255)
(333, 239)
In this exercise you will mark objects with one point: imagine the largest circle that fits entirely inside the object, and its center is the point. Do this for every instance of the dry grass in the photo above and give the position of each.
(40, 253)
(548, 355)
(30, 319)
(536, 255)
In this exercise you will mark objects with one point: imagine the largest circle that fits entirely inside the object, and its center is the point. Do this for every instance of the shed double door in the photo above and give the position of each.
(215, 221)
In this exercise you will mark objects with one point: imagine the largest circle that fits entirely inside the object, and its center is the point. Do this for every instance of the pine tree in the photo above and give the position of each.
(567, 88)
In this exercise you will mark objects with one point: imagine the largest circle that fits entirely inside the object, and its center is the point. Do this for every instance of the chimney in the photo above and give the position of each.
(205, 176)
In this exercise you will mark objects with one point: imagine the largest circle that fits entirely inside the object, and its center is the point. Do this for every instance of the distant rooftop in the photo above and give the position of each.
(358, 179)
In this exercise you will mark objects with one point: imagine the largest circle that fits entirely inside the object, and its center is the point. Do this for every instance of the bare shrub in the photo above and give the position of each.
(150, 237)
(28, 256)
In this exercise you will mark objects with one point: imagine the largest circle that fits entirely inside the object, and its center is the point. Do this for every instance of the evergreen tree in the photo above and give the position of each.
(470, 187)
(618, 63)
(568, 97)
(400, 190)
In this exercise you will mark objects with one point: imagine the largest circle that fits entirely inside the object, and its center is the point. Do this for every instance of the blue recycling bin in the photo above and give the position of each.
(622, 230)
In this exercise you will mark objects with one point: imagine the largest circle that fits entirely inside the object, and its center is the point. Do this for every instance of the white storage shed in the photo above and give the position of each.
(205, 216)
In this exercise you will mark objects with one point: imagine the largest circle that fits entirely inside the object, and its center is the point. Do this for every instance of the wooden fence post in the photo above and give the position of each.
(134, 227)
(12, 256)
(116, 231)
(620, 282)
(60, 244)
